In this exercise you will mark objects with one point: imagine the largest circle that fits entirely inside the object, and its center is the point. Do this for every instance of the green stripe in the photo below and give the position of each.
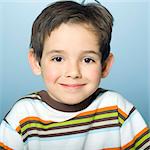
(144, 138)
(71, 122)
(138, 143)
(121, 120)
(133, 148)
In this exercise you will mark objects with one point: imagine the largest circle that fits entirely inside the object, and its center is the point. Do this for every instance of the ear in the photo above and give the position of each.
(36, 68)
(107, 65)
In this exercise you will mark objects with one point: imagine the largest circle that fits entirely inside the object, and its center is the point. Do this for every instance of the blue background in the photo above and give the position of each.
(130, 74)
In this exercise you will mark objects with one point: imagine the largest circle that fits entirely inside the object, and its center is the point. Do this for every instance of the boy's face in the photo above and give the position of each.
(70, 63)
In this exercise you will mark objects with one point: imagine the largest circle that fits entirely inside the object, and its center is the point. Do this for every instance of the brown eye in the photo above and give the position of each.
(88, 60)
(57, 59)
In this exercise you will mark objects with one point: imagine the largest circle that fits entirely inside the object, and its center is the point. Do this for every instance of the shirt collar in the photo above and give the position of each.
(66, 107)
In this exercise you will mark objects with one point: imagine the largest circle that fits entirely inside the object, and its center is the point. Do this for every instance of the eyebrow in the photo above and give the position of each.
(92, 52)
(55, 51)
(83, 52)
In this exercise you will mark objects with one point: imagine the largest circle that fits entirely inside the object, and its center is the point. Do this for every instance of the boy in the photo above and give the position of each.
(70, 48)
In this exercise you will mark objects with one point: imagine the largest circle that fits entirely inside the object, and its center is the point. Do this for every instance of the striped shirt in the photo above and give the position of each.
(104, 121)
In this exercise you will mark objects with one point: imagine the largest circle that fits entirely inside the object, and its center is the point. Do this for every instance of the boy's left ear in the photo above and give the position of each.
(107, 65)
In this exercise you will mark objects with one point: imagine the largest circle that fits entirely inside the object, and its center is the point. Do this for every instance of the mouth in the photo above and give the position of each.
(72, 86)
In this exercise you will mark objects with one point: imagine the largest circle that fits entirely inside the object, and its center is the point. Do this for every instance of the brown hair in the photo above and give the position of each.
(69, 11)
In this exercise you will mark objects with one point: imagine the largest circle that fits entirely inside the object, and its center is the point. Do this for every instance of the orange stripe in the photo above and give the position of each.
(98, 110)
(138, 135)
(82, 114)
(5, 147)
(33, 118)
(117, 148)
(122, 113)
(18, 129)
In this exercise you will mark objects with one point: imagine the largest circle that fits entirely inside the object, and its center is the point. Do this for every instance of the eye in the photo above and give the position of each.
(88, 60)
(57, 59)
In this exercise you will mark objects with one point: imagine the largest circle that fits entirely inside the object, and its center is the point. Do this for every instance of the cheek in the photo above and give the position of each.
(51, 75)
(94, 74)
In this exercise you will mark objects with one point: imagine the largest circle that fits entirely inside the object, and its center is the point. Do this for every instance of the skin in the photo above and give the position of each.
(71, 63)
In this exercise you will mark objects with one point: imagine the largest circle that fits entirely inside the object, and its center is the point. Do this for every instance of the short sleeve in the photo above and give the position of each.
(9, 137)
(135, 134)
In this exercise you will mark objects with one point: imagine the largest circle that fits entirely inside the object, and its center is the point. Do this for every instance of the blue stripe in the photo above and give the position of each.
(81, 135)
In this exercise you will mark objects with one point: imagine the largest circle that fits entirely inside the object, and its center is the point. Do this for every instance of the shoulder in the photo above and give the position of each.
(25, 101)
(24, 107)
(126, 112)
(115, 99)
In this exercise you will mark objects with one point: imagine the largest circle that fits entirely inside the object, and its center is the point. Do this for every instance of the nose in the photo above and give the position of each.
(72, 70)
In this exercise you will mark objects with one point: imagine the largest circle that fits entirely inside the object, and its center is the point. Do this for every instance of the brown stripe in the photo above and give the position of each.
(140, 137)
(95, 114)
(131, 144)
(70, 133)
(131, 111)
(122, 117)
(30, 97)
(76, 118)
(146, 141)
(98, 110)
(69, 126)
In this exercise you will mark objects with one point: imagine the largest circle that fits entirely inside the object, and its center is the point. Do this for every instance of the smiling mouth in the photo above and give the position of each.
(76, 86)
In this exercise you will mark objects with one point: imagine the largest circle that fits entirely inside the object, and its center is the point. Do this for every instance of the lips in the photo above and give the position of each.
(72, 85)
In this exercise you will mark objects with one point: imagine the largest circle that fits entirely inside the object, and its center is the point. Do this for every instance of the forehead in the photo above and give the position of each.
(77, 36)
